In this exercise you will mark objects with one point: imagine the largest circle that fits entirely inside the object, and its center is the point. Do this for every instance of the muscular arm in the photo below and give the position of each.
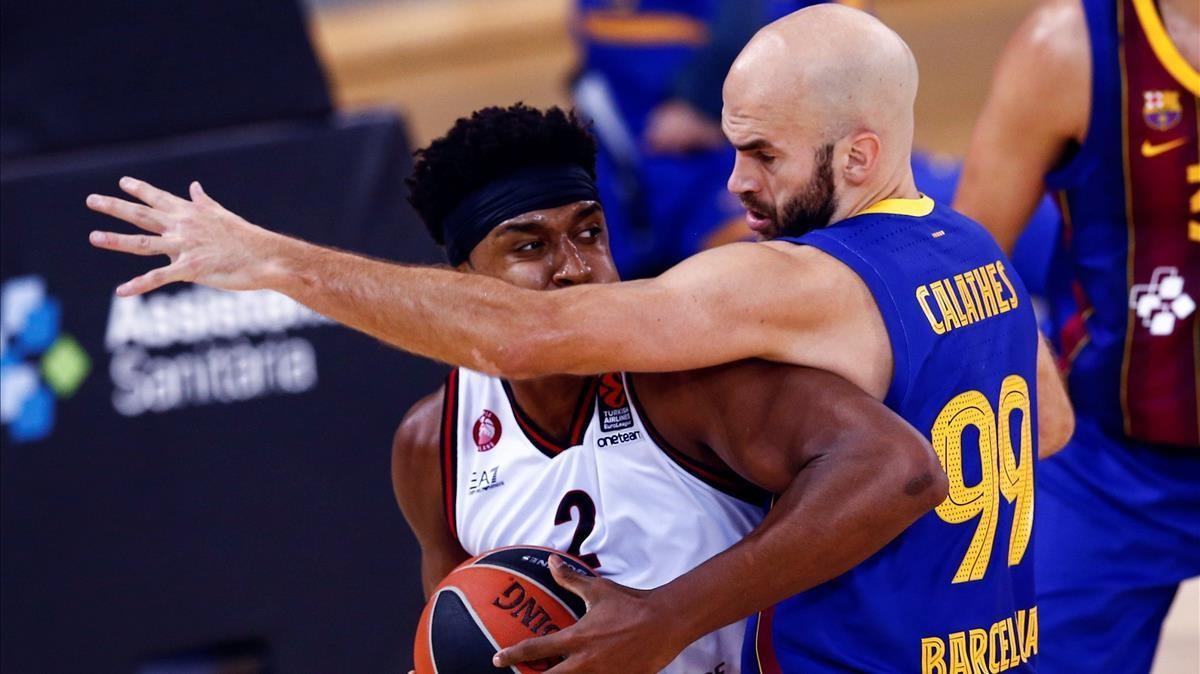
(849, 473)
(1038, 105)
(850, 476)
(415, 469)
(679, 320)
(739, 301)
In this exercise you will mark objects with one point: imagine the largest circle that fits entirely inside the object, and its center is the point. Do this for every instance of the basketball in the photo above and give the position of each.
(490, 602)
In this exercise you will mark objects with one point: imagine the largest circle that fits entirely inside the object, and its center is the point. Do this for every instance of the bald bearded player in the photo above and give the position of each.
(862, 276)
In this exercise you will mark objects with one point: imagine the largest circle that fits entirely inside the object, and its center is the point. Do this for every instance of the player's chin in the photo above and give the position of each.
(768, 231)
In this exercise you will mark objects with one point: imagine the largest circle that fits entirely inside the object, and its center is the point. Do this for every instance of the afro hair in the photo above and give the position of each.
(490, 144)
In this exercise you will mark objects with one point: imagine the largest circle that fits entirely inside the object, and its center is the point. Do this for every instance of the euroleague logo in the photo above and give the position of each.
(486, 431)
(611, 391)
(614, 405)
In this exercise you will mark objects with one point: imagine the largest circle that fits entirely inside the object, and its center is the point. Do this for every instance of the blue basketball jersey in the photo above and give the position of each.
(954, 592)
(1130, 331)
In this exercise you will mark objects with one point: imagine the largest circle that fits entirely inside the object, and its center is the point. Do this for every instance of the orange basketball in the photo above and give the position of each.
(491, 602)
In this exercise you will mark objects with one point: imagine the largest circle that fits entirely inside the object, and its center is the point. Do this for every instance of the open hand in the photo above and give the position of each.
(623, 631)
(206, 243)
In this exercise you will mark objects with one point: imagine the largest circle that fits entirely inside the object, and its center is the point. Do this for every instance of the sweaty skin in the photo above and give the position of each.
(850, 473)
(776, 301)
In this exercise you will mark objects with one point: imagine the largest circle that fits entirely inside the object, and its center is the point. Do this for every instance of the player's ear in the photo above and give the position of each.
(862, 157)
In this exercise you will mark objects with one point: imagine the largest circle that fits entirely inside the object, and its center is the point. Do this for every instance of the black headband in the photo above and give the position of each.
(529, 189)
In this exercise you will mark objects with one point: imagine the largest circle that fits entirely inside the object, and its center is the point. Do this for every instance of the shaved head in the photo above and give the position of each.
(819, 105)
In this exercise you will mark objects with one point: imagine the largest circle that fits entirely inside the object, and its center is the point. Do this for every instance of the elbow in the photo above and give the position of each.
(1055, 417)
(1054, 412)
(920, 478)
(938, 486)
(1055, 429)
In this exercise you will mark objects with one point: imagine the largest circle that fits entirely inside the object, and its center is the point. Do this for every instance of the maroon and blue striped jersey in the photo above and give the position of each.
(1130, 197)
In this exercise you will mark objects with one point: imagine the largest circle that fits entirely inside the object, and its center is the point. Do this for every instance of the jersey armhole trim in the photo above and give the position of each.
(889, 309)
(449, 451)
(727, 482)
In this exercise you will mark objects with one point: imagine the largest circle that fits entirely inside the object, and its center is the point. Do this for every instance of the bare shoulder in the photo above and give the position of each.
(838, 323)
(734, 260)
(1055, 35)
(1051, 55)
(783, 272)
(757, 387)
(418, 437)
(814, 264)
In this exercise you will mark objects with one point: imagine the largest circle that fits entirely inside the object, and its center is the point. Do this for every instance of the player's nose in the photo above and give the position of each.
(742, 179)
(573, 268)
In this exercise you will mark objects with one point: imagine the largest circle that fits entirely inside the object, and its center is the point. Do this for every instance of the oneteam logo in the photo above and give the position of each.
(39, 364)
(1162, 302)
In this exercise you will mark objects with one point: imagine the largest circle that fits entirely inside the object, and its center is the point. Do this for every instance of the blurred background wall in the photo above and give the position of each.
(435, 59)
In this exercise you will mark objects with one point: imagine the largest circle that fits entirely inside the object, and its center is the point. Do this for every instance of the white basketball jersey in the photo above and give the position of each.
(614, 494)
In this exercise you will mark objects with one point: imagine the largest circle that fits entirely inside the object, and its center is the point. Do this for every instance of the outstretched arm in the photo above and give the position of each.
(415, 471)
(681, 320)
(850, 475)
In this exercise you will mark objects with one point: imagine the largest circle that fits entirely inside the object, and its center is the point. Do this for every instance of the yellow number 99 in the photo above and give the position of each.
(1000, 473)
(1016, 482)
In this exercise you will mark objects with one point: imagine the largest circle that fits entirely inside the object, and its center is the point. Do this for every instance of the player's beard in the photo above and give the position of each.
(811, 209)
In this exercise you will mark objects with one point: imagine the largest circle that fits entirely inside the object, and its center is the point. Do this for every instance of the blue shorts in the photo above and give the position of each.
(1117, 528)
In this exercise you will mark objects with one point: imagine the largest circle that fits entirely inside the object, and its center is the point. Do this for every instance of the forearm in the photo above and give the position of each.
(463, 319)
(470, 320)
(835, 514)
(494, 327)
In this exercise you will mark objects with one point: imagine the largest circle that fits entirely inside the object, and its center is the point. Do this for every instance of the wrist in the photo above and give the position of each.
(280, 267)
(677, 614)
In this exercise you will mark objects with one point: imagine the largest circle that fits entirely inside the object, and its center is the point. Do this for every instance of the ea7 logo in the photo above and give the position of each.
(1162, 302)
(483, 480)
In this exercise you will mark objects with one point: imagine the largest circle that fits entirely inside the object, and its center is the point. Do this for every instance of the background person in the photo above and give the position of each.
(1114, 136)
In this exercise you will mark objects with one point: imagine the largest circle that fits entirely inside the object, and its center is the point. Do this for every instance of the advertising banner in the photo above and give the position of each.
(194, 467)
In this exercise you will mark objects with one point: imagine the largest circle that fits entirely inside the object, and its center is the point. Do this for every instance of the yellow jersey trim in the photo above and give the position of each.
(918, 208)
(643, 28)
(1162, 46)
